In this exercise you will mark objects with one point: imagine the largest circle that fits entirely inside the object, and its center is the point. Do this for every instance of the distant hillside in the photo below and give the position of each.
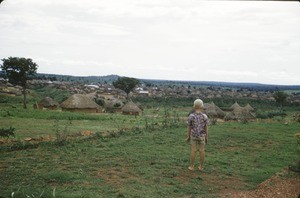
(250, 86)
(80, 79)
(110, 78)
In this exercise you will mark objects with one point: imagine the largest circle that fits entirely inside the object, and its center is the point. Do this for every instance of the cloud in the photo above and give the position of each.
(166, 39)
(233, 73)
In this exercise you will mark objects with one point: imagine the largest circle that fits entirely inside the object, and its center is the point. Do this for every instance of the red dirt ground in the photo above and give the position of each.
(278, 186)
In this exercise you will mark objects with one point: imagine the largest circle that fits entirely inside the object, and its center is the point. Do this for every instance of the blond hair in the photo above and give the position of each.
(198, 103)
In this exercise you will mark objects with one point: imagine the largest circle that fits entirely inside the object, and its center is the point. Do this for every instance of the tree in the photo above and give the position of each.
(18, 71)
(126, 84)
(280, 97)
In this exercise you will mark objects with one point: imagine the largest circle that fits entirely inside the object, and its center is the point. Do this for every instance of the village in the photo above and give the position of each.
(105, 98)
(97, 122)
(163, 99)
(108, 91)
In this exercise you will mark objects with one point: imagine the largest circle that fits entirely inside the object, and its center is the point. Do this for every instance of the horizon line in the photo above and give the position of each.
(205, 81)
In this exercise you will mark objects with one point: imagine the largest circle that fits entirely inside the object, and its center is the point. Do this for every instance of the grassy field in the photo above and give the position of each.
(138, 156)
(38, 123)
(147, 163)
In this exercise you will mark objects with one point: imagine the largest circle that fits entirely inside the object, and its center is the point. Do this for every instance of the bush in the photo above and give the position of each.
(10, 99)
(296, 166)
(261, 115)
(276, 113)
(5, 133)
(296, 117)
(212, 120)
(270, 114)
(298, 151)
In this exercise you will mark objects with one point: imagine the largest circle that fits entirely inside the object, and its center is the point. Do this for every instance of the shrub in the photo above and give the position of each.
(296, 166)
(212, 120)
(270, 114)
(298, 151)
(296, 117)
(261, 115)
(6, 133)
(61, 132)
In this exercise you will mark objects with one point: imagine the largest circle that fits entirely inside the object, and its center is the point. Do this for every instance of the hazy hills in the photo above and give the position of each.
(111, 78)
(152, 82)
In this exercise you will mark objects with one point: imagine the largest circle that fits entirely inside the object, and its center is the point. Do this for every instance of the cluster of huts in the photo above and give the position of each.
(82, 103)
(235, 112)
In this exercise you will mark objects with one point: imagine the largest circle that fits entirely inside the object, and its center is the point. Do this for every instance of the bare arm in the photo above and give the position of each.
(206, 130)
(188, 134)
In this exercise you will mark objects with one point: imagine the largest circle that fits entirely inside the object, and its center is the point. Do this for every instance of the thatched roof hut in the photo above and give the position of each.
(220, 112)
(209, 110)
(235, 106)
(249, 108)
(240, 113)
(130, 108)
(213, 110)
(140, 105)
(80, 103)
(47, 103)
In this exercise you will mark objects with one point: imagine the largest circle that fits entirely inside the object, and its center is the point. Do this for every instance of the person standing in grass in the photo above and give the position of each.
(197, 133)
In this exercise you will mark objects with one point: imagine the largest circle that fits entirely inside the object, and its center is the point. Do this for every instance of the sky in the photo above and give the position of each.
(194, 40)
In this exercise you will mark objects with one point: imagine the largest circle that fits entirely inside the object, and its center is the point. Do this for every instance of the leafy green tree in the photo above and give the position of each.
(280, 98)
(126, 84)
(18, 71)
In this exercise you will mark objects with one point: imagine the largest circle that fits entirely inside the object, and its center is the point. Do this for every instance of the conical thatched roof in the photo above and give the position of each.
(140, 105)
(210, 110)
(131, 108)
(230, 116)
(79, 101)
(235, 106)
(48, 102)
(213, 110)
(239, 114)
(249, 107)
(219, 111)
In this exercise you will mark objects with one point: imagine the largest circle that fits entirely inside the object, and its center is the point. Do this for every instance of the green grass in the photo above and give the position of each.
(57, 94)
(31, 127)
(35, 123)
(18, 112)
(150, 163)
(140, 161)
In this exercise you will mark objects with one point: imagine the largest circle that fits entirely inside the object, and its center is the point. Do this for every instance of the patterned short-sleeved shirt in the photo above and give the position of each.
(197, 122)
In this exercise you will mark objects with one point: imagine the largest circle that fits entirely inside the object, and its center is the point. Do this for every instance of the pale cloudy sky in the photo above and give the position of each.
(236, 41)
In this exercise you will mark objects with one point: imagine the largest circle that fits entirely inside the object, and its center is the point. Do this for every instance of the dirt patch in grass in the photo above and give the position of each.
(277, 186)
(187, 176)
(116, 176)
(280, 185)
(217, 182)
